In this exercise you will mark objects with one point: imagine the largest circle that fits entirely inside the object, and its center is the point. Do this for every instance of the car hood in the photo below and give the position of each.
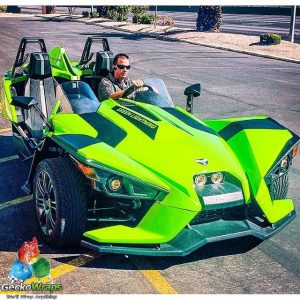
(166, 147)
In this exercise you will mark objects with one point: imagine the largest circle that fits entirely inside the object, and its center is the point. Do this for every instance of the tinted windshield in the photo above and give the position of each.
(157, 95)
(81, 97)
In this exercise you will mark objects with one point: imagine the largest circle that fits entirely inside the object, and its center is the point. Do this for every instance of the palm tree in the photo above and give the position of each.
(209, 18)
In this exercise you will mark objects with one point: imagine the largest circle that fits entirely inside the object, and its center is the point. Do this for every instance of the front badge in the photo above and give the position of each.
(202, 161)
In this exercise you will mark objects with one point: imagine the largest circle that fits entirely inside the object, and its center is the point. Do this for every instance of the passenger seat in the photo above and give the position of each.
(41, 86)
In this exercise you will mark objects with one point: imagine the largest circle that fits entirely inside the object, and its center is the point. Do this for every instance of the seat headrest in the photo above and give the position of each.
(39, 66)
(103, 64)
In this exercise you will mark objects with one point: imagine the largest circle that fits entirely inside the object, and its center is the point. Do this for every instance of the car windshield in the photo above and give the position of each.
(157, 94)
(81, 97)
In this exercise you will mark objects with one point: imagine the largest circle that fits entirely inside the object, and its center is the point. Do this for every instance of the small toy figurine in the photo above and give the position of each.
(20, 271)
(41, 268)
(29, 251)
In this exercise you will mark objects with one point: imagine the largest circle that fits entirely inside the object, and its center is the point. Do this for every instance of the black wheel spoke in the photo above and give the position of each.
(40, 203)
(51, 220)
(40, 187)
(45, 203)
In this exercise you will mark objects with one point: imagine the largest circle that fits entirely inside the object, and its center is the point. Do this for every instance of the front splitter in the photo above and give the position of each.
(193, 237)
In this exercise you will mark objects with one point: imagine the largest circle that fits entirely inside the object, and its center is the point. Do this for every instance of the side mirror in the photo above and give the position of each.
(191, 92)
(24, 102)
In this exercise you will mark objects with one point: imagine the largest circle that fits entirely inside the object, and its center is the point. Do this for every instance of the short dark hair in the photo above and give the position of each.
(115, 60)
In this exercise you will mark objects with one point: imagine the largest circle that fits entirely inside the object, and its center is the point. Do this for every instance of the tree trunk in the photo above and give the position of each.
(48, 9)
(209, 18)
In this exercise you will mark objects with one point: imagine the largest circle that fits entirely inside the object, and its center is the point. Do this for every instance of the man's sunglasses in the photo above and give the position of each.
(123, 67)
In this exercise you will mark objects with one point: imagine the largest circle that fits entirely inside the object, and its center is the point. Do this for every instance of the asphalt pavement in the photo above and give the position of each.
(232, 85)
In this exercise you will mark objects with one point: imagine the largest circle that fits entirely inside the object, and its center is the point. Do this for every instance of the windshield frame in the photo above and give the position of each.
(159, 88)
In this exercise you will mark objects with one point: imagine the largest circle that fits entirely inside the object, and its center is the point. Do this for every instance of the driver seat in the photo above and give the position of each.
(101, 68)
(41, 86)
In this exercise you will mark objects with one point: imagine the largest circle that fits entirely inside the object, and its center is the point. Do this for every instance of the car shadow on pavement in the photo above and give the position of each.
(208, 251)
(130, 262)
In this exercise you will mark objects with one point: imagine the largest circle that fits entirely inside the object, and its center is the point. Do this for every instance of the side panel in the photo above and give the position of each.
(8, 110)
(259, 143)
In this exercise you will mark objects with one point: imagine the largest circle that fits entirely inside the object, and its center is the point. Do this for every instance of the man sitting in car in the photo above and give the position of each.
(117, 81)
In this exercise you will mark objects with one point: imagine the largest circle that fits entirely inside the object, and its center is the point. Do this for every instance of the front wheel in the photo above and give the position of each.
(60, 200)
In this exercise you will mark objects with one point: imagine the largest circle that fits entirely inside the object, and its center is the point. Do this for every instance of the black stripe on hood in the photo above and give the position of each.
(234, 128)
(108, 133)
(143, 124)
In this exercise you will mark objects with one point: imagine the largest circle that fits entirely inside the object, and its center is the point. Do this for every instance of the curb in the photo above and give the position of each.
(162, 37)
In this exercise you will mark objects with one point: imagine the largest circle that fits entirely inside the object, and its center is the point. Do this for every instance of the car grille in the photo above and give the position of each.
(229, 213)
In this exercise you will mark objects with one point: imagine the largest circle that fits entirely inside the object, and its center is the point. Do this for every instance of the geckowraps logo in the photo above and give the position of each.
(28, 265)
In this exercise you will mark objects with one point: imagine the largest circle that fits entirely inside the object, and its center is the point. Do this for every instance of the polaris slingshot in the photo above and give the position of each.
(138, 175)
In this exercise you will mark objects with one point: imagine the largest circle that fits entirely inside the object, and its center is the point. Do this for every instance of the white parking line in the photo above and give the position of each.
(5, 159)
(15, 201)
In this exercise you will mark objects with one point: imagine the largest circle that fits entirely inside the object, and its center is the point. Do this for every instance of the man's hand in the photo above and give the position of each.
(138, 83)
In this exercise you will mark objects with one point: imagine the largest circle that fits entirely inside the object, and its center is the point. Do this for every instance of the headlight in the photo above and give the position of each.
(282, 166)
(217, 177)
(114, 184)
(117, 184)
(284, 163)
(200, 180)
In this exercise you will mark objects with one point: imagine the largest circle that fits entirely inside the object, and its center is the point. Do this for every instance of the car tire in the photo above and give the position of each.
(60, 200)
(279, 187)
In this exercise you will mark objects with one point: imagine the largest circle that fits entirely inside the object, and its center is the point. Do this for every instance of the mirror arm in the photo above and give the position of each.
(31, 141)
(189, 103)
(22, 133)
(37, 109)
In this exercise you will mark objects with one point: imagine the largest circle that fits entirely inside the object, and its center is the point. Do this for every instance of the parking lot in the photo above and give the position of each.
(232, 85)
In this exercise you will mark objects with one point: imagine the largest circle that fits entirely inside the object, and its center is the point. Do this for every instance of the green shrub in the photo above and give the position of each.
(139, 10)
(3, 8)
(136, 19)
(147, 19)
(143, 19)
(270, 39)
(94, 14)
(118, 13)
(85, 14)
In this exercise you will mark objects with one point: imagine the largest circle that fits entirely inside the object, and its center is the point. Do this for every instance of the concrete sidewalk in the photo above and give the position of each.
(286, 51)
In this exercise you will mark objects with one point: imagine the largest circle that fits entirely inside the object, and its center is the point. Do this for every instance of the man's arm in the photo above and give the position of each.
(106, 89)
(138, 83)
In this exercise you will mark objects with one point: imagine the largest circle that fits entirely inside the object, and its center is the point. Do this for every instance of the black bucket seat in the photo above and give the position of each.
(41, 86)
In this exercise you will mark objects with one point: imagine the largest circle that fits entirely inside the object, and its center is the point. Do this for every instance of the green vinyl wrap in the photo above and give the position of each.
(157, 161)
(160, 147)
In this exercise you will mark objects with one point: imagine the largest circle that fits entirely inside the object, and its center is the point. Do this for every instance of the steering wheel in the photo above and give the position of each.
(132, 89)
